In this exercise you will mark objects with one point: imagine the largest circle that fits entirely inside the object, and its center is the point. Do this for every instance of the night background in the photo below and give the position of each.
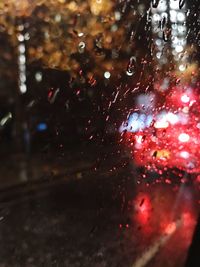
(99, 133)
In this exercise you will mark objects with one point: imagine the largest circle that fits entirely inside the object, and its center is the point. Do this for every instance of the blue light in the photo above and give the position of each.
(41, 127)
(149, 120)
(136, 122)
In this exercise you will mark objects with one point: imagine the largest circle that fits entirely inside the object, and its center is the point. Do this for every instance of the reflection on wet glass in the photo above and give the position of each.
(99, 132)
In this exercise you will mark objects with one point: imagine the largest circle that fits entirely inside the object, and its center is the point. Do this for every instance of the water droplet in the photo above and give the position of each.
(181, 3)
(38, 76)
(165, 36)
(57, 17)
(81, 47)
(52, 95)
(131, 66)
(155, 3)
(107, 74)
(163, 22)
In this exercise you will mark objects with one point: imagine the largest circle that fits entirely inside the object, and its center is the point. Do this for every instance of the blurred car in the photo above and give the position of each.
(169, 138)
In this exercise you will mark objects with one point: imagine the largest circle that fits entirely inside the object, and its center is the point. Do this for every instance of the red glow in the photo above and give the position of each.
(143, 207)
(120, 226)
(188, 219)
(50, 93)
(167, 181)
(175, 146)
(198, 179)
(172, 140)
(181, 97)
(171, 228)
(185, 98)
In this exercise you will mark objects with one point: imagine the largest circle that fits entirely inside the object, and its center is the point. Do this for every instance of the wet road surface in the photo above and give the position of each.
(103, 217)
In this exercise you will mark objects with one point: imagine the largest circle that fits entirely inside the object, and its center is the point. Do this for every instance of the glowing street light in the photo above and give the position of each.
(183, 137)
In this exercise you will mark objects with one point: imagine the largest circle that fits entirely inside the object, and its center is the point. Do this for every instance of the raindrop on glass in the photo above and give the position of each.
(155, 3)
(165, 36)
(181, 3)
(81, 47)
(131, 66)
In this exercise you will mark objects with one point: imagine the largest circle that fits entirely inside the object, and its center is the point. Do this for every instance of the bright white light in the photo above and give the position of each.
(38, 76)
(179, 48)
(158, 42)
(139, 139)
(22, 77)
(164, 15)
(117, 15)
(22, 63)
(182, 67)
(20, 27)
(182, 41)
(129, 72)
(173, 15)
(23, 88)
(5, 119)
(175, 40)
(174, 32)
(174, 26)
(156, 17)
(81, 47)
(183, 137)
(80, 34)
(20, 37)
(185, 98)
(181, 17)
(58, 17)
(136, 122)
(107, 74)
(158, 55)
(162, 6)
(22, 59)
(161, 124)
(184, 154)
(172, 118)
(171, 11)
(22, 68)
(27, 36)
(174, 4)
(22, 48)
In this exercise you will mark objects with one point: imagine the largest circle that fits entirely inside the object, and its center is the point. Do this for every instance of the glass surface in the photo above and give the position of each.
(99, 133)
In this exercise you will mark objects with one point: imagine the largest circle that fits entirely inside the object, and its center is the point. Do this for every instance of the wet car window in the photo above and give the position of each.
(99, 133)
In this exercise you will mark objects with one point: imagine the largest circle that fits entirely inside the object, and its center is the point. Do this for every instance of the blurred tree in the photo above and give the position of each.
(93, 40)
(92, 36)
